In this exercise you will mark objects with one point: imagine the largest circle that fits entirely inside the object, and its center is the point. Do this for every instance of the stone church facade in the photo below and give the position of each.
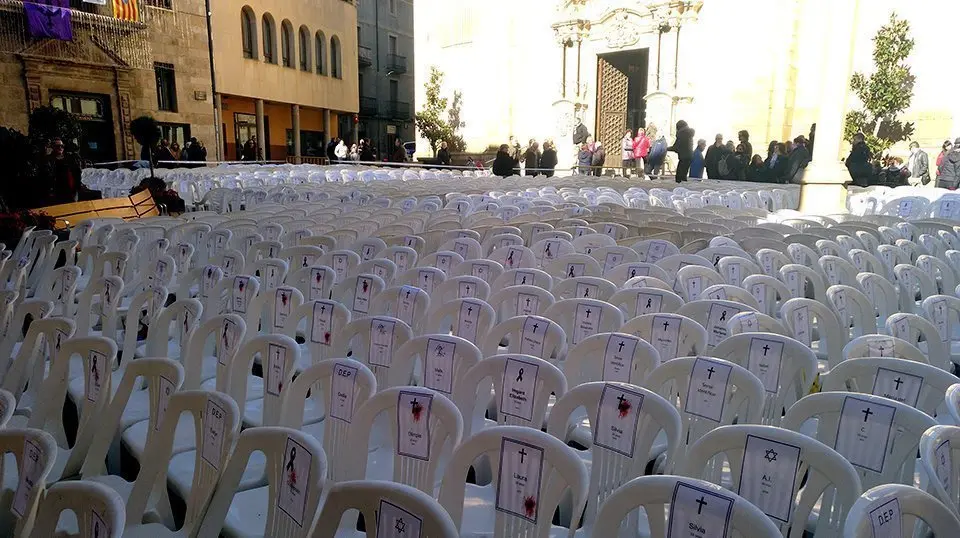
(530, 68)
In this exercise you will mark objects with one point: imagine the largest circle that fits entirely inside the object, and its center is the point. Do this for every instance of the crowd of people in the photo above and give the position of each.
(535, 161)
(193, 153)
(866, 169)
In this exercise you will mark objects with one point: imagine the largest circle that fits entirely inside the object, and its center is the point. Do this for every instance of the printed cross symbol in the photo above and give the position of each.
(588, 311)
(469, 310)
(523, 452)
(881, 349)
(866, 414)
(766, 348)
(665, 325)
(400, 526)
(528, 302)
(535, 327)
(620, 345)
(701, 504)
(899, 382)
(771, 455)
(710, 372)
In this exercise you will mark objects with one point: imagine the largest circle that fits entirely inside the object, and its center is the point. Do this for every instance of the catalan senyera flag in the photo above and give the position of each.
(126, 10)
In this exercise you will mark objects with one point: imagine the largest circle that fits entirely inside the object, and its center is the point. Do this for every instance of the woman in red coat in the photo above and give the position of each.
(641, 147)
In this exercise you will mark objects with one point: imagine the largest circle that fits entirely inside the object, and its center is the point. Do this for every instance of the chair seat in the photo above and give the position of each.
(173, 349)
(75, 389)
(479, 514)
(184, 437)
(182, 465)
(247, 516)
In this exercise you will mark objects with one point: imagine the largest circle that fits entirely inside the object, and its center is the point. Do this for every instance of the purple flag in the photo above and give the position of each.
(48, 19)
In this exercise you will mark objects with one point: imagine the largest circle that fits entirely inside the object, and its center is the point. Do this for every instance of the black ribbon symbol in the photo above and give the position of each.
(520, 375)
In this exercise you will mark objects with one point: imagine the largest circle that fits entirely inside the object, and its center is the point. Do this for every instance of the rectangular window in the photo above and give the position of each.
(166, 86)
(175, 132)
(392, 44)
(393, 7)
(394, 90)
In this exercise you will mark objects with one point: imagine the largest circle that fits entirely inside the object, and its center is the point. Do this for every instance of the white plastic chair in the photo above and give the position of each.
(804, 316)
(99, 511)
(713, 315)
(879, 345)
(393, 506)
(612, 460)
(828, 474)
(769, 292)
(529, 335)
(293, 460)
(909, 382)
(654, 493)
(435, 361)
(471, 507)
(785, 367)
(601, 358)
(582, 318)
(902, 504)
(528, 276)
(898, 457)
(940, 459)
(372, 341)
(672, 335)
(23, 444)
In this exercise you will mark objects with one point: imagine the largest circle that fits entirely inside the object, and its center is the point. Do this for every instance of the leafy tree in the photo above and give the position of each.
(48, 123)
(886, 93)
(430, 120)
(146, 131)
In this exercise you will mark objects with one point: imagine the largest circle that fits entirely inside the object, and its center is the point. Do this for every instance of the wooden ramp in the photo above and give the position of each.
(127, 208)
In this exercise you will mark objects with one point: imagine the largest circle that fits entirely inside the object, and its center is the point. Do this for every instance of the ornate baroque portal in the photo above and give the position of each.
(612, 90)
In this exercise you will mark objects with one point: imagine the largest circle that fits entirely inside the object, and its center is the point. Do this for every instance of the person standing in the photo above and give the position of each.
(919, 165)
(163, 154)
(340, 152)
(598, 158)
(657, 154)
(399, 155)
(683, 147)
(744, 138)
(66, 173)
(641, 148)
(756, 170)
(195, 153)
(531, 158)
(548, 161)
(711, 161)
(176, 152)
(858, 162)
(797, 161)
(584, 159)
(626, 153)
(443, 156)
(580, 133)
(504, 163)
(944, 149)
(354, 153)
(949, 177)
(696, 164)
(331, 150)
(366, 151)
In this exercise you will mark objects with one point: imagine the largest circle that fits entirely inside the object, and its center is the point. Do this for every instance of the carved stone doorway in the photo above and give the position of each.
(621, 86)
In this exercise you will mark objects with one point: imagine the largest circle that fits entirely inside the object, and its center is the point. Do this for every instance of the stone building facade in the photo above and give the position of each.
(108, 74)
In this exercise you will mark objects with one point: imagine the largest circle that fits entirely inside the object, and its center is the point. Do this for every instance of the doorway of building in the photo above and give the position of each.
(245, 128)
(621, 85)
(97, 141)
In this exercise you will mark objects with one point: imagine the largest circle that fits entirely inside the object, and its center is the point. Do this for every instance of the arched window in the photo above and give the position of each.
(269, 39)
(286, 43)
(248, 29)
(305, 64)
(336, 67)
(321, 47)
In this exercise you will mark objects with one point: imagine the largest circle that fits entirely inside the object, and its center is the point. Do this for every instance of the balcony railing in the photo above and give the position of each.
(365, 56)
(398, 110)
(396, 63)
(368, 106)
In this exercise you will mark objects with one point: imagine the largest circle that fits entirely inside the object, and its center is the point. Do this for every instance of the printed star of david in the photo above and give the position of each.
(771, 455)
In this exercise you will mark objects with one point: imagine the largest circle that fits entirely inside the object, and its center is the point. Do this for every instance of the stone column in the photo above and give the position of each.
(295, 109)
(822, 188)
(327, 133)
(261, 132)
(219, 135)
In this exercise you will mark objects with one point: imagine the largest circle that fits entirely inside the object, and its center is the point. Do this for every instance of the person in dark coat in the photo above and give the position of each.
(366, 151)
(331, 147)
(399, 154)
(196, 152)
(919, 166)
(580, 133)
(776, 164)
(443, 156)
(598, 158)
(585, 159)
(756, 170)
(683, 147)
(548, 161)
(949, 177)
(711, 161)
(163, 153)
(744, 138)
(858, 162)
(65, 170)
(531, 158)
(504, 163)
(947, 146)
(797, 161)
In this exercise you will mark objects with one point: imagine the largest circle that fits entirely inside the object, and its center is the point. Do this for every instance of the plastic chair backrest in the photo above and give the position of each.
(99, 509)
(910, 506)
(672, 335)
(41, 449)
(613, 357)
(373, 341)
(940, 460)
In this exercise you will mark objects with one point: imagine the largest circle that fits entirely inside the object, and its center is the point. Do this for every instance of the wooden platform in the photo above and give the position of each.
(127, 208)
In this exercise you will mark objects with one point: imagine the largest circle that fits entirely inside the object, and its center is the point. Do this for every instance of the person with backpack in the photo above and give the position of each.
(683, 147)
(658, 152)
